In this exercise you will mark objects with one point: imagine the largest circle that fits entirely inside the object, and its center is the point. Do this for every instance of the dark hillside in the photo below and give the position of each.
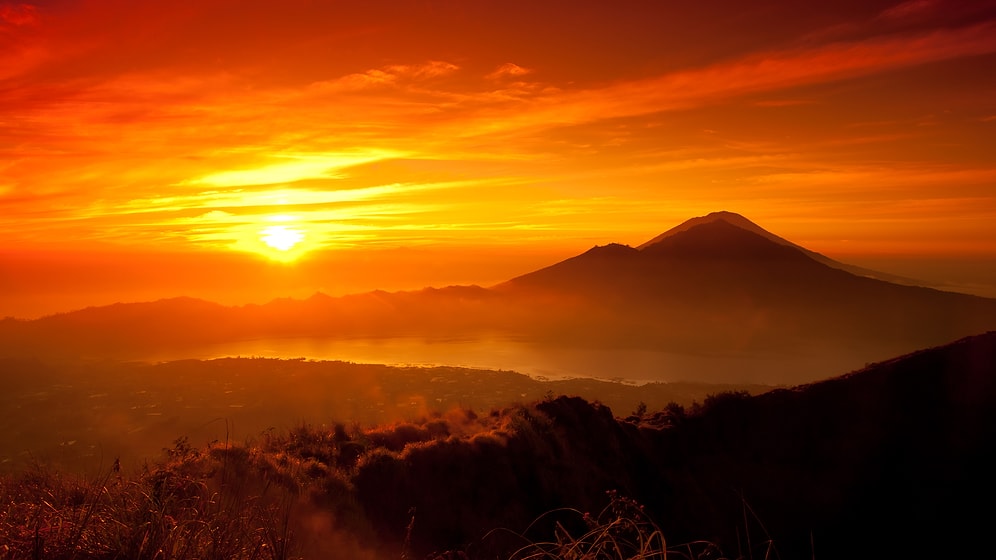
(76, 414)
(861, 462)
(892, 461)
(717, 288)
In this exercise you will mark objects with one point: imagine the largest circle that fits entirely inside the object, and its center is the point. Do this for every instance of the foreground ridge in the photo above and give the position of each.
(844, 467)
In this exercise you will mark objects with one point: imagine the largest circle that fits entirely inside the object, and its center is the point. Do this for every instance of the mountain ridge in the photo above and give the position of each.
(742, 222)
(708, 287)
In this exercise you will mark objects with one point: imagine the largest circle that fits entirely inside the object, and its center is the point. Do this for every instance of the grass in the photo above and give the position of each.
(294, 496)
(621, 531)
(191, 506)
(170, 514)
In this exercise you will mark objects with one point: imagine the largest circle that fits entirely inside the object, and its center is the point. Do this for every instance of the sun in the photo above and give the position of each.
(285, 238)
(281, 238)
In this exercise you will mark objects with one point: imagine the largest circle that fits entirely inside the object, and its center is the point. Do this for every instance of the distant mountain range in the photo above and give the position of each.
(722, 284)
(717, 285)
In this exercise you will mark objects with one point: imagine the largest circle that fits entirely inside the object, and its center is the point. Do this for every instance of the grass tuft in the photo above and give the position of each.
(621, 531)
(188, 507)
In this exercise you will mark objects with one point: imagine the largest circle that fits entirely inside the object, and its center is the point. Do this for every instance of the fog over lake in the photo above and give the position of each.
(539, 361)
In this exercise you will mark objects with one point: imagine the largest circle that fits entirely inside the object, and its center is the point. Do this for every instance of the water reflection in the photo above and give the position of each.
(535, 360)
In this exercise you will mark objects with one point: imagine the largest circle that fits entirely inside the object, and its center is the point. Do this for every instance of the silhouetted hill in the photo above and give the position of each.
(720, 239)
(720, 236)
(718, 288)
(743, 223)
(76, 413)
(712, 286)
(135, 330)
(860, 462)
(894, 461)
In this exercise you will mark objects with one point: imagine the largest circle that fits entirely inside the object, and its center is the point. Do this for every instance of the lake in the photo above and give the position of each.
(536, 360)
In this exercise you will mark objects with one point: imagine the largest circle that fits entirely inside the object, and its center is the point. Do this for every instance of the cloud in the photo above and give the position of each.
(761, 72)
(912, 9)
(370, 78)
(215, 216)
(300, 167)
(508, 70)
(880, 183)
(19, 15)
(224, 201)
(431, 69)
(387, 76)
(783, 102)
(103, 125)
(777, 70)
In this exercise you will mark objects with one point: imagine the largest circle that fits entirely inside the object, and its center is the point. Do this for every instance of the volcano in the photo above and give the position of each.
(722, 284)
(718, 288)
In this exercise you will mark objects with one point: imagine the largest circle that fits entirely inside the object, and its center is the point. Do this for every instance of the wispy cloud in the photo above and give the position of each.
(761, 72)
(300, 167)
(508, 70)
(18, 14)
(376, 120)
(909, 10)
(393, 75)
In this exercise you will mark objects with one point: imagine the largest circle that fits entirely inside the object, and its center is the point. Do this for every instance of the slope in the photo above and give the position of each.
(715, 287)
(893, 461)
(741, 304)
(744, 223)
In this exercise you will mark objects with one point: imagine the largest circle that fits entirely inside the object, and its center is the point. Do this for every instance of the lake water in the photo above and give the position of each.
(538, 361)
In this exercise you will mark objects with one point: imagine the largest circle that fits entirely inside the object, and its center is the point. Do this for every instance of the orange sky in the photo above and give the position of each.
(150, 148)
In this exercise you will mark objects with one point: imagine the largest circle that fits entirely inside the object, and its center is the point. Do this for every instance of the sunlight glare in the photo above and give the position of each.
(281, 238)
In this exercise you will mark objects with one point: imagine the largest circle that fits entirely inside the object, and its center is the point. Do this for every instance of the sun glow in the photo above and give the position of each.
(281, 238)
(294, 167)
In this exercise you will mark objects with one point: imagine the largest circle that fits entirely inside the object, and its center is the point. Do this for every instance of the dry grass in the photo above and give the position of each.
(192, 506)
(621, 531)
(295, 496)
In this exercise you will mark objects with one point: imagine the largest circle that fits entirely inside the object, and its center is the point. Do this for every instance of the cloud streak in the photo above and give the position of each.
(341, 111)
(763, 72)
(300, 167)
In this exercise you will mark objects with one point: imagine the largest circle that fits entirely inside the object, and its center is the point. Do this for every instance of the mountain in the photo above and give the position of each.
(716, 236)
(735, 302)
(743, 223)
(893, 461)
(721, 284)
(141, 330)
(724, 261)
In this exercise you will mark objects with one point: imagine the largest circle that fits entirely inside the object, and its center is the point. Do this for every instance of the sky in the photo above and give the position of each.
(245, 150)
